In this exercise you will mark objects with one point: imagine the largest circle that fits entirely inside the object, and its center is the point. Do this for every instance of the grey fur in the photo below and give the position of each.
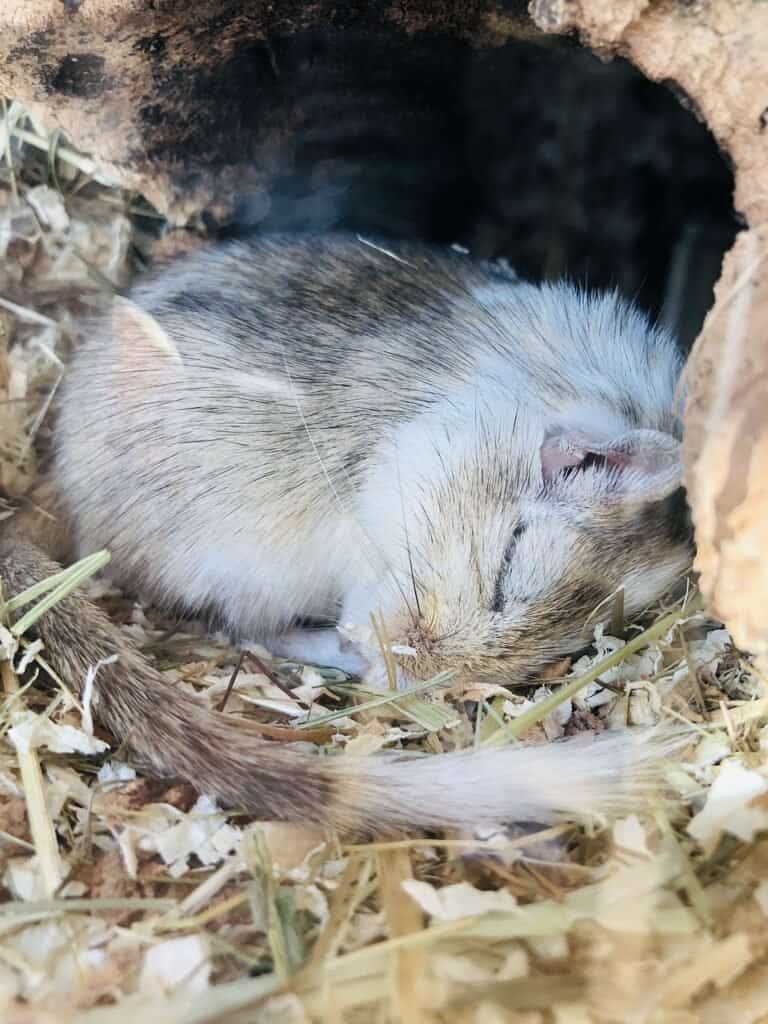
(291, 427)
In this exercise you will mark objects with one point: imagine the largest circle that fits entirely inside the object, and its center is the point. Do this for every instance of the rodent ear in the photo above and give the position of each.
(644, 463)
(139, 339)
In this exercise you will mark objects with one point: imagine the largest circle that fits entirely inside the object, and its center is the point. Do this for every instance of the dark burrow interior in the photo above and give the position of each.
(535, 151)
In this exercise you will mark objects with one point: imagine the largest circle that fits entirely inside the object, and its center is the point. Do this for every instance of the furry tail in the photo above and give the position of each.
(172, 734)
(169, 733)
(609, 773)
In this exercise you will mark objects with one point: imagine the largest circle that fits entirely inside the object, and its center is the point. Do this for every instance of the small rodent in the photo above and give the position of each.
(291, 428)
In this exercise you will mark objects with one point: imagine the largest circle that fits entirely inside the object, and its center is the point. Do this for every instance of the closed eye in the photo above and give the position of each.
(499, 600)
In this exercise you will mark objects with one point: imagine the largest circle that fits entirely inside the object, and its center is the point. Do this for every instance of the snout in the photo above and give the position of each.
(391, 650)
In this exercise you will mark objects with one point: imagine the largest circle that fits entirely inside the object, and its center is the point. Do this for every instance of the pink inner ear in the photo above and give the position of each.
(558, 454)
(555, 458)
(649, 460)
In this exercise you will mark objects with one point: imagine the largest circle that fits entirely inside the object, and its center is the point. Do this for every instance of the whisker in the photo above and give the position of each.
(334, 491)
(444, 636)
(409, 552)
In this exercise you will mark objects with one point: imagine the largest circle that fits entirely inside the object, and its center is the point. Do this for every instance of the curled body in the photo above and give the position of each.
(286, 429)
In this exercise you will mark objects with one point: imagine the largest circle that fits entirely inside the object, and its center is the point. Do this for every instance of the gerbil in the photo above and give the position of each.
(286, 429)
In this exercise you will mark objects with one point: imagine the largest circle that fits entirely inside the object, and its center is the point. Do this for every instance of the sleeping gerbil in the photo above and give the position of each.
(290, 428)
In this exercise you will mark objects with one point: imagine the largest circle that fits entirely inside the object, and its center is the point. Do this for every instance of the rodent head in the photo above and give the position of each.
(504, 552)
